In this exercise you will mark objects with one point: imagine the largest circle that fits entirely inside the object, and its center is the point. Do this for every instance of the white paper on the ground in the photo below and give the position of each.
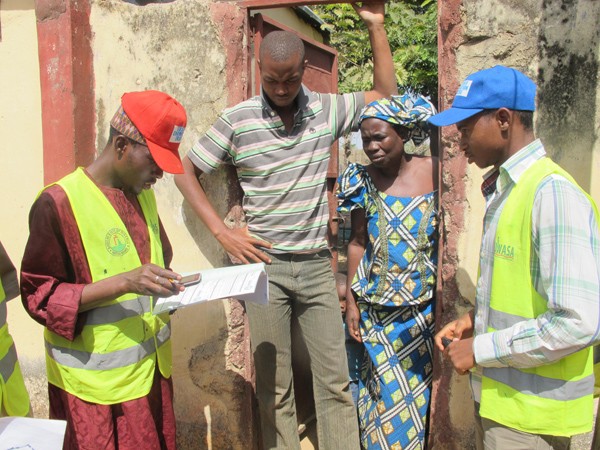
(246, 282)
(29, 433)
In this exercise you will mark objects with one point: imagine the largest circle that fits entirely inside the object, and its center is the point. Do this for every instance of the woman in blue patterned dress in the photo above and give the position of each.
(392, 259)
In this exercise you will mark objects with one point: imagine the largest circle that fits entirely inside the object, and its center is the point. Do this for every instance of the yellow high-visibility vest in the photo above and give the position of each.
(113, 358)
(13, 393)
(554, 399)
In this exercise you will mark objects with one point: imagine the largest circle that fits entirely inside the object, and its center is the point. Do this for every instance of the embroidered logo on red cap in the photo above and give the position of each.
(161, 120)
(177, 134)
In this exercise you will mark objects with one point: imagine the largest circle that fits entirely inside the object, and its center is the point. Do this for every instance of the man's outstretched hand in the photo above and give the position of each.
(371, 13)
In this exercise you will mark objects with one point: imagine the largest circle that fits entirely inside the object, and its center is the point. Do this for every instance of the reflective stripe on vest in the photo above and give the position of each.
(14, 397)
(534, 384)
(113, 358)
(78, 359)
(553, 399)
(499, 320)
(103, 315)
(7, 364)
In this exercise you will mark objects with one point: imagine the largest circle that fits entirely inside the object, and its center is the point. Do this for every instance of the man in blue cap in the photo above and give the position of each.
(528, 341)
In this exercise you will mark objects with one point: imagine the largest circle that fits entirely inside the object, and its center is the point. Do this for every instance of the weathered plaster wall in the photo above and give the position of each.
(22, 170)
(569, 73)
(67, 87)
(502, 32)
(557, 44)
(178, 48)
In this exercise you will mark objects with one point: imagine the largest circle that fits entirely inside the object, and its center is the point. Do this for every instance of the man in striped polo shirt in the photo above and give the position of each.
(279, 142)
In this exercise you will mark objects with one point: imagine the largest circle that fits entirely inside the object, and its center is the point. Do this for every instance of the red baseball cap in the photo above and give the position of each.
(160, 120)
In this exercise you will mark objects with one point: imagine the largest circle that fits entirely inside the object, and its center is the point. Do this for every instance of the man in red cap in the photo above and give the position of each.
(96, 257)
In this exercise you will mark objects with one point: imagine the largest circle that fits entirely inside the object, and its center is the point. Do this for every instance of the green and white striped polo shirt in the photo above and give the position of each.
(283, 175)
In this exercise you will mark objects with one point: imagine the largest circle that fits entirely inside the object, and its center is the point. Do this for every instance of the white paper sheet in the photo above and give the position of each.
(28, 433)
(246, 282)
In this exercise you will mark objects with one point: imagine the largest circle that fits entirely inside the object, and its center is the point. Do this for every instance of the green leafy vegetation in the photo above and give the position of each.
(412, 31)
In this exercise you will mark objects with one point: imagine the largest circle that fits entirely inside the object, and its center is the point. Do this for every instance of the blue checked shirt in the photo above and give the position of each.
(565, 270)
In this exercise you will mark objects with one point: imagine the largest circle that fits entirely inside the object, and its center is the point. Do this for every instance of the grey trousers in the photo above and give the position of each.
(302, 286)
(490, 435)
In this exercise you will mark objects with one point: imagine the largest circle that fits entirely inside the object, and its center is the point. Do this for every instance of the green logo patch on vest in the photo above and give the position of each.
(116, 242)
(504, 251)
(155, 228)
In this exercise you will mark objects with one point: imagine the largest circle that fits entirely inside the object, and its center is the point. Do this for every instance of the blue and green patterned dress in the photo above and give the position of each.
(394, 286)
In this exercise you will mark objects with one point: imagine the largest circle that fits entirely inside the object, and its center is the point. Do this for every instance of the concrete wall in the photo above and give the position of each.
(22, 171)
(558, 47)
(569, 80)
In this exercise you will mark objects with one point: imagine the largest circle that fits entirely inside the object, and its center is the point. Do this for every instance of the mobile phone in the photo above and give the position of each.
(190, 280)
(446, 341)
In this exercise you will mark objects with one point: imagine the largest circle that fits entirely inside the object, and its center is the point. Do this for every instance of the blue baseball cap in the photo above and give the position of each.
(498, 87)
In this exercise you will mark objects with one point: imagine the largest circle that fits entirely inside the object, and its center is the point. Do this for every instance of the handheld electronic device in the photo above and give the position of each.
(190, 280)
(446, 341)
